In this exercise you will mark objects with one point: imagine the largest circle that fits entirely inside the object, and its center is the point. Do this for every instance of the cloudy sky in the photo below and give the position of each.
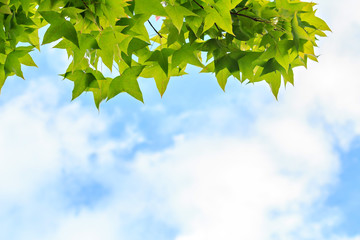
(198, 164)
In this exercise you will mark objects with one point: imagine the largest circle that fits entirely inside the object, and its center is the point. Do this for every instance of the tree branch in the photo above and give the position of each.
(198, 4)
(252, 18)
(154, 29)
(244, 8)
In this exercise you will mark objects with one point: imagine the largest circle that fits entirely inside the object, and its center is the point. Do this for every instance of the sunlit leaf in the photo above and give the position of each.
(251, 40)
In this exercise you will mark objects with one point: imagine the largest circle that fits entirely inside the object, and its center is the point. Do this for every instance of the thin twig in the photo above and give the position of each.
(244, 8)
(154, 29)
(252, 18)
(198, 4)
(203, 8)
(85, 4)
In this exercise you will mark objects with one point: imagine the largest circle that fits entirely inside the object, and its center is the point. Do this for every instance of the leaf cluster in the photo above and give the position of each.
(251, 40)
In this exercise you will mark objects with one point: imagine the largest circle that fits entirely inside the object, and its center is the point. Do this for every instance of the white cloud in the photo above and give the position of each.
(228, 188)
(207, 186)
(39, 138)
(87, 225)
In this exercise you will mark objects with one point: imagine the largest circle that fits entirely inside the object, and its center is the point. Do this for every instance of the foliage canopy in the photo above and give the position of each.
(252, 40)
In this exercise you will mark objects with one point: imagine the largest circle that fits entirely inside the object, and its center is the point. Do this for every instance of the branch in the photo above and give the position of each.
(244, 8)
(85, 4)
(198, 4)
(252, 18)
(154, 29)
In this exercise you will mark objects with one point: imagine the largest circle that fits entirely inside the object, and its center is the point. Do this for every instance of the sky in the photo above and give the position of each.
(197, 164)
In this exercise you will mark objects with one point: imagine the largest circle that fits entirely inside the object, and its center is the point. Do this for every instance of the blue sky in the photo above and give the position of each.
(198, 164)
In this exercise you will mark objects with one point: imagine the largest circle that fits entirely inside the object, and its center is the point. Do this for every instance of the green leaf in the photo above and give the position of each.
(226, 62)
(33, 38)
(88, 42)
(2, 58)
(312, 20)
(186, 54)
(291, 5)
(288, 76)
(173, 35)
(246, 65)
(222, 77)
(285, 53)
(52, 17)
(161, 79)
(101, 93)
(136, 44)
(161, 57)
(127, 82)
(4, 9)
(149, 7)
(270, 66)
(274, 80)
(2, 76)
(177, 14)
(82, 81)
(107, 43)
(27, 60)
(298, 32)
(63, 29)
(223, 7)
(71, 12)
(12, 65)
